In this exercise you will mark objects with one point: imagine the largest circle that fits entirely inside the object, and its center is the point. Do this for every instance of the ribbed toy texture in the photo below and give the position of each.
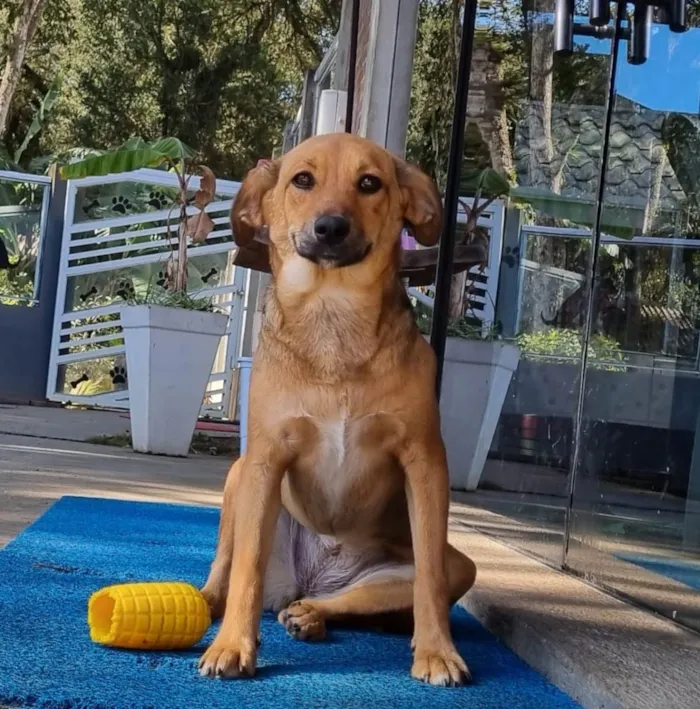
(148, 616)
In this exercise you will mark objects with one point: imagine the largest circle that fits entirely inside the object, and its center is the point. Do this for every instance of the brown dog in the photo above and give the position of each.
(338, 509)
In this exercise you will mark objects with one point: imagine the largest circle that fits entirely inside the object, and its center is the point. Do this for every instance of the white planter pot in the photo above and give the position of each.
(475, 380)
(169, 355)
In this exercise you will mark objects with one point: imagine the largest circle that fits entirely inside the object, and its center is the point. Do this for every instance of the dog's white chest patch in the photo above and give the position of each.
(335, 470)
(333, 435)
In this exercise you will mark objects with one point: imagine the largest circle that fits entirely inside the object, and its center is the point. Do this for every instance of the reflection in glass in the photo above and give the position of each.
(538, 118)
(628, 516)
(635, 522)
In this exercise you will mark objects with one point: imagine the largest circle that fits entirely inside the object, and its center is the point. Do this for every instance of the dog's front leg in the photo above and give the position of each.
(234, 650)
(435, 659)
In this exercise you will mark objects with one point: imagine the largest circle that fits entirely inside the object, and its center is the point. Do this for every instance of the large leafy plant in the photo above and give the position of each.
(15, 161)
(174, 155)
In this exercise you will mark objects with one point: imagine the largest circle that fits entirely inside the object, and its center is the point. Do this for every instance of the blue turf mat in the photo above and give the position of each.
(80, 545)
(686, 572)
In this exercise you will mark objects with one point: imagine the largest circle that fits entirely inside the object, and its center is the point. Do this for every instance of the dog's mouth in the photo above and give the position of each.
(354, 249)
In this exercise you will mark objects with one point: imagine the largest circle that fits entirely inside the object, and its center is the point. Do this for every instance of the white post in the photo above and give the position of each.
(331, 112)
(386, 96)
(245, 365)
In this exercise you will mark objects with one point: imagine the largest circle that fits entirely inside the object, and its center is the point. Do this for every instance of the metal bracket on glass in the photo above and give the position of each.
(637, 33)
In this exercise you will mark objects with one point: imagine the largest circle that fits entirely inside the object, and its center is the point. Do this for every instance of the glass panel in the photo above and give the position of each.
(537, 119)
(22, 213)
(121, 199)
(635, 523)
(91, 377)
(121, 285)
(151, 227)
(102, 375)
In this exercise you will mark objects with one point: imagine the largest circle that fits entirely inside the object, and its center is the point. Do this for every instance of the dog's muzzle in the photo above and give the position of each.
(332, 241)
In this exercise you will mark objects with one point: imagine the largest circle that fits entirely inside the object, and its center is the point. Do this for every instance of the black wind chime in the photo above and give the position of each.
(637, 32)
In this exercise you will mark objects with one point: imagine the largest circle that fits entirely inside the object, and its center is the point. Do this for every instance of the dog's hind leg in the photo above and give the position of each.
(380, 592)
(216, 588)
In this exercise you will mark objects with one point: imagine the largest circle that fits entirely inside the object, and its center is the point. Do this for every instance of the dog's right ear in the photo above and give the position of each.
(422, 203)
(247, 211)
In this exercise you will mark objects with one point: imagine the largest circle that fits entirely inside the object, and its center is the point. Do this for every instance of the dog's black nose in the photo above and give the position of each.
(331, 229)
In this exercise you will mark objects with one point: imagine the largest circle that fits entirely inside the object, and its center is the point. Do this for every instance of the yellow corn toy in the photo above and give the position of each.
(148, 616)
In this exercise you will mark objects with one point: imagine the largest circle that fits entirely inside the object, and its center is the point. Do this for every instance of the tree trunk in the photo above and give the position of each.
(458, 284)
(25, 26)
(541, 99)
(541, 153)
(487, 107)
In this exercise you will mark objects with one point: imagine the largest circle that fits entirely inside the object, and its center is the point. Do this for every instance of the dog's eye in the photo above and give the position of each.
(369, 184)
(304, 180)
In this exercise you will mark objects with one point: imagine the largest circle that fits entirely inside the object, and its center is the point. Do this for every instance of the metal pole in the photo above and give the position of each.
(592, 276)
(352, 64)
(443, 275)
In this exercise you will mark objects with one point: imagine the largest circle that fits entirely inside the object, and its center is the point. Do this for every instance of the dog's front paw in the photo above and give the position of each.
(228, 660)
(443, 668)
(303, 622)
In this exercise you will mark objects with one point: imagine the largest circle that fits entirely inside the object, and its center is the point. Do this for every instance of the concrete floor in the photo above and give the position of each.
(44, 456)
(61, 424)
(34, 472)
(605, 653)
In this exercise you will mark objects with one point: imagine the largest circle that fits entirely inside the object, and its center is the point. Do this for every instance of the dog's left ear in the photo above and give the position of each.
(421, 202)
(247, 211)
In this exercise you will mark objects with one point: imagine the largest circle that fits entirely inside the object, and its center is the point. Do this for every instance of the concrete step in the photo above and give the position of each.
(603, 652)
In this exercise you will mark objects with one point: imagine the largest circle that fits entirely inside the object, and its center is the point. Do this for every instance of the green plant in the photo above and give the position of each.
(19, 240)
(202, 444)
(464, 327)
(40, 117)
(173, 154)
(471, 329)
(557, 344)
(487, 184)
(16, 290)
(172, 299)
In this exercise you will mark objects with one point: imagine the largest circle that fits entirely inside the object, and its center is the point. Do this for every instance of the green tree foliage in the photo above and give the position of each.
(221, 75)
(432, 93)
